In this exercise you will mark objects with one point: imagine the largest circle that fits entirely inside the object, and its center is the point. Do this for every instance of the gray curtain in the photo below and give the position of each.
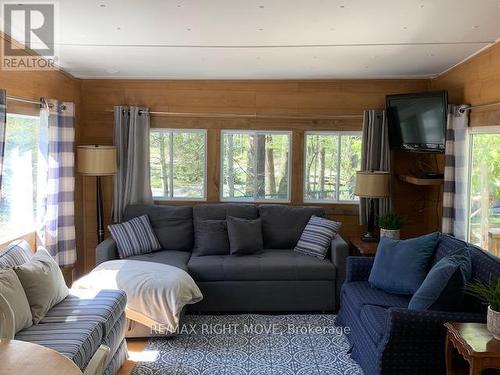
(455, 173)
(375, 156)
(131, 138)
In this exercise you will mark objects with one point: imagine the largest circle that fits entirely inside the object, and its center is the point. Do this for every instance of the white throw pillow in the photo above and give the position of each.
(13, 292)
(43, 283)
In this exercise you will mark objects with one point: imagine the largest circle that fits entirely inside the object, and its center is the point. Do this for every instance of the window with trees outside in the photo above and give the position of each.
(255, 166)
(178, 164)
(18, 193)
(330, 165)
(484, 188)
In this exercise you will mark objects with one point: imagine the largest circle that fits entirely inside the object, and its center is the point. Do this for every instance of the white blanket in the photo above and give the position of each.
(156, 293)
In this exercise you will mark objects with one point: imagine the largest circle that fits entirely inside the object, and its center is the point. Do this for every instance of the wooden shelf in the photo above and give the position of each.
(421, 181)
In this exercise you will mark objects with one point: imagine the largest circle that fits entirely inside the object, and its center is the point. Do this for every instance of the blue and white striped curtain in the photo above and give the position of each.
(455, 173)
(3, 121)
(56, 191)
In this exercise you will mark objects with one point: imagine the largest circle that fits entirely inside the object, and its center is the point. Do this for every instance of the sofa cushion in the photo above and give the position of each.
(360, 293)
(444, 285)
(174, 258)
(317, 237)
(211, 237)
(400, 266)
(283, 225)
(12, 291)
(221, 211)
(15, 254)
(245, 235)
(77, 340)
(374, 320)
(104, 307)
(43, 283)
(269, 265)
(173, 225)
(134, 237)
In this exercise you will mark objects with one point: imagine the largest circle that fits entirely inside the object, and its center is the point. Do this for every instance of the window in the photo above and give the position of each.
(255, 166)
(178, 164)
(20, 173)
(330, 165)
(484, 187)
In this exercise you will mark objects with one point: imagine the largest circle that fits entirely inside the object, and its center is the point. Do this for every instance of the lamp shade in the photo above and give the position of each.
(372, 184)
(96, 160)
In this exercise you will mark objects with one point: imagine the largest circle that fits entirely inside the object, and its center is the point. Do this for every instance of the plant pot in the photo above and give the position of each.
(494, 322)
(390, 233)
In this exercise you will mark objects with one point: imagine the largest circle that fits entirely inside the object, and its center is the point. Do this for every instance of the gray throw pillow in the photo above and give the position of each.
(43, 283)
(245, 236)
(13, 292)
(211, 237)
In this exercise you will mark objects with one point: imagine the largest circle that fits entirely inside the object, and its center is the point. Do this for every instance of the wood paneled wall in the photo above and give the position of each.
(476, 81)
(262, 97)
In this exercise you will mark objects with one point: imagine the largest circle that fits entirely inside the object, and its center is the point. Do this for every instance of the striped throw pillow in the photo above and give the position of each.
(15, 254)
(317, 237)
(134, 237)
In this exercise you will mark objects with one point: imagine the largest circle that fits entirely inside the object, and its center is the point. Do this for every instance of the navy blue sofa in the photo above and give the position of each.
(386, 337)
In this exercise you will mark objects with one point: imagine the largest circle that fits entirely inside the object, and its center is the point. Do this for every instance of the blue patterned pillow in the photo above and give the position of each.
(317, 237)
(134, 237)
(15, 254)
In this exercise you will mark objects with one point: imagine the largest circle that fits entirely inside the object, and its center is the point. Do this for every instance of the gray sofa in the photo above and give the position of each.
(276, 279)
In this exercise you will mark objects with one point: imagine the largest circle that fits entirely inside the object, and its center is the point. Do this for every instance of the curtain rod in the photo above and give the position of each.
(253, 115)
(23, 100)
(466, 107)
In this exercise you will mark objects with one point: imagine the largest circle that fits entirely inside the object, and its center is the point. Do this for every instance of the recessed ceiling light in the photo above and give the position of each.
(118, 28)
(188, 28)
(342, 6)
(475, 27)
(102, 5)
(422, 5)
(405, 27)
(261, 29)
(261, 6)
(332, 28)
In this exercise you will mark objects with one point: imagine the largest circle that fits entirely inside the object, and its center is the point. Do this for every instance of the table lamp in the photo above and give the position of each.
(94, 160)
(372, 185)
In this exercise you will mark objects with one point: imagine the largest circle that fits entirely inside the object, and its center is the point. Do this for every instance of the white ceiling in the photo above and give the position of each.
(271, 39)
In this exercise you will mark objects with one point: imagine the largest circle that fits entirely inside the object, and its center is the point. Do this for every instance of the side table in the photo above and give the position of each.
(475, 344)
(358, 247)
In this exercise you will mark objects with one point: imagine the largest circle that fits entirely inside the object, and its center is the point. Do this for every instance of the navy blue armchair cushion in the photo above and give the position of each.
(401, 266)
(443, 287)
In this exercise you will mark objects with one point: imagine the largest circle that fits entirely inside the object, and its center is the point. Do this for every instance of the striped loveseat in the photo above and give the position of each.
(77, 326)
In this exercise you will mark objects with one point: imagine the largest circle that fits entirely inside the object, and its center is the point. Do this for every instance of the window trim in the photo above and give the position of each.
(469, 134)
(221, 165)
(205, 169)
(358, 133)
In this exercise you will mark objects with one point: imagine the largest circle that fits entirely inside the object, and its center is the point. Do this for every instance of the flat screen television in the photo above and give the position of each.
(417, 122)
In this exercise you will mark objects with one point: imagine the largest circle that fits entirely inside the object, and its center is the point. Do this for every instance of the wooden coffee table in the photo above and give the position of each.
(25, 358)
(475, 344)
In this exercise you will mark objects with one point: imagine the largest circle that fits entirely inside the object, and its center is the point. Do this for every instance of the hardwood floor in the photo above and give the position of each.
(135, 351)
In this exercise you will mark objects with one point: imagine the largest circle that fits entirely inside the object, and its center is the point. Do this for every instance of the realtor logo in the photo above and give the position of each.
(31, 30)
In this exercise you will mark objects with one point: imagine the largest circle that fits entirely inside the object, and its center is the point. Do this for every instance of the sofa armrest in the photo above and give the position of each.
(421, 333)
(339, 253)
(358, 268)
(105, 251)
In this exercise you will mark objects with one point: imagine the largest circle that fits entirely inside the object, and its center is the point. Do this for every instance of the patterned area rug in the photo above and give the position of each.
(252, 345)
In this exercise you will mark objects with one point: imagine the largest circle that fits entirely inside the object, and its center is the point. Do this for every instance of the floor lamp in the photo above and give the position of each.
(372, 185)
(97, 161)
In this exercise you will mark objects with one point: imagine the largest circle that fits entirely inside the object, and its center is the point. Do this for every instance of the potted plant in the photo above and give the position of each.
(390, 225)
(490, 293)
